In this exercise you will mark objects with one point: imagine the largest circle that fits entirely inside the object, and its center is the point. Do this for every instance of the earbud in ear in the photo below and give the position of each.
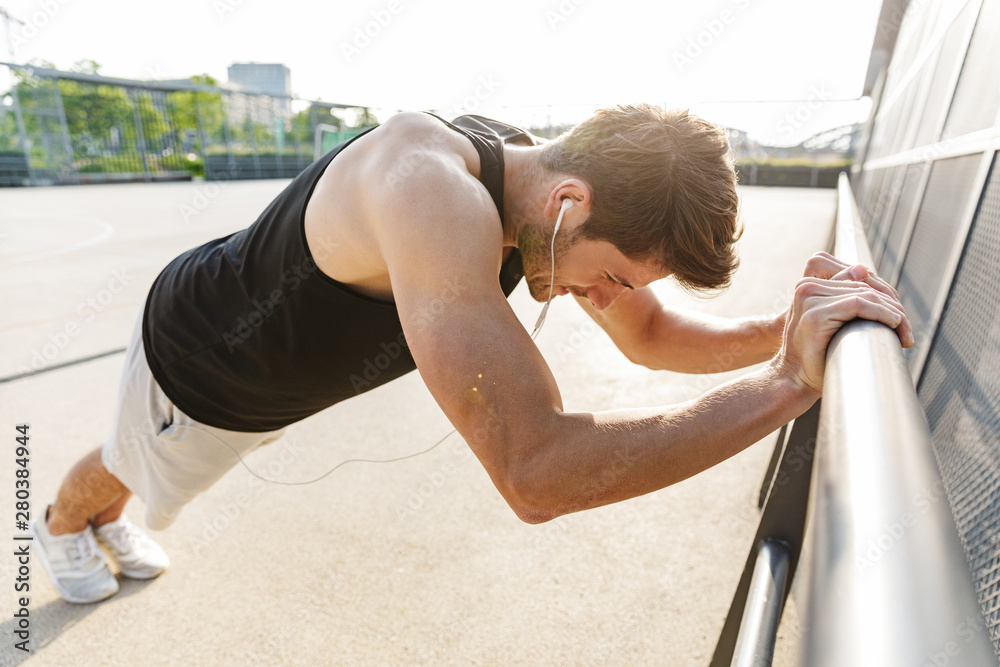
(566, 205)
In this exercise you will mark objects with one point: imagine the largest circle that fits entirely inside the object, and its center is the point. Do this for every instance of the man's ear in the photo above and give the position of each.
(574, 190)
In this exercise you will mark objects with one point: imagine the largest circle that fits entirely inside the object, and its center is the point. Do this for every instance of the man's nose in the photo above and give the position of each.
(602, 297)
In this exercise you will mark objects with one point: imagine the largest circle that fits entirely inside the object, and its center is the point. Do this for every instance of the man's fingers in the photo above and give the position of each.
(830, 294)
(861, 273)
(846, 287)
(879, 308)
(856, 306)
(825, 266)
(845, 300)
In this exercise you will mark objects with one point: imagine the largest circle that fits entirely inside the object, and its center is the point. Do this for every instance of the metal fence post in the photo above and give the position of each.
(65, 132)
(202, 144)
(248, 120)
(228, 136)
(21, 131)
(140, 138)
(279, 134)
(298, 141)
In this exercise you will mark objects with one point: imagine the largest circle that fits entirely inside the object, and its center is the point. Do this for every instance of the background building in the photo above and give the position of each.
(271, 78)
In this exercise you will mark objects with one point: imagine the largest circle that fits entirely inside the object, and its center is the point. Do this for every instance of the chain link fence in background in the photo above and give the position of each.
(61, 127)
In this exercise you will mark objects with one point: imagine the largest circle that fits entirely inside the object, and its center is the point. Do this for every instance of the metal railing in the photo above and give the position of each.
(759, 629)
(887, 581)
(884, 578)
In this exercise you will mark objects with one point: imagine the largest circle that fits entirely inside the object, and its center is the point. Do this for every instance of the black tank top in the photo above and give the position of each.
(245, 332)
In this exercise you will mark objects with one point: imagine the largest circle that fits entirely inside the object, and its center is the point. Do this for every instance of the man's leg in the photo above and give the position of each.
(65, 539)
(89, 495)
(90, 503)
(88, 507)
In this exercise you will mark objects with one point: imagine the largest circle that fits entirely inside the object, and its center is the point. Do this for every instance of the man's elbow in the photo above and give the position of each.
(529, 492)
(639, 348)
(532, 511)
(533, 515)
(641, 357)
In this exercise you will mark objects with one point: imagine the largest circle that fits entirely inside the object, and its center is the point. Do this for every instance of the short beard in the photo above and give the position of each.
(535, 243)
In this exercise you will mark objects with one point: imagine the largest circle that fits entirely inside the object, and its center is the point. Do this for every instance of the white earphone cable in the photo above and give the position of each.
(567, 203)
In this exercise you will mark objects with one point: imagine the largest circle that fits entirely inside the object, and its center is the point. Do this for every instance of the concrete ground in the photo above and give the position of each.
(417, 562)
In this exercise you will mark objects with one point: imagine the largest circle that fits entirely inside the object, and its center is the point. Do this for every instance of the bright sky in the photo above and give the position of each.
(521, 61)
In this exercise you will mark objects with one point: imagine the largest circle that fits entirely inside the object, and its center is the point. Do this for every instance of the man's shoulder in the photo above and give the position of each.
(421, 188)
(411, 132)
(420, 157)
(413, 121)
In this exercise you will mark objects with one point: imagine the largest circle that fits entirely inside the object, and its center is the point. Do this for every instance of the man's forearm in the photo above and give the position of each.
(602, 458)
(688, 342)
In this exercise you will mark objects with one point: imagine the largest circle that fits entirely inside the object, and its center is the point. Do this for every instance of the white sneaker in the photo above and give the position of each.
(138, 556)
(75, 565)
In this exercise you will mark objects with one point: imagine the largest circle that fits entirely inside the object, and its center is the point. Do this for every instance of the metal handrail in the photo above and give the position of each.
(759, 626)
(886, 579)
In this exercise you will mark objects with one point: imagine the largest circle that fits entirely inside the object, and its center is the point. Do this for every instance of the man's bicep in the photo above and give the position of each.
(440, 236)
(481, 366)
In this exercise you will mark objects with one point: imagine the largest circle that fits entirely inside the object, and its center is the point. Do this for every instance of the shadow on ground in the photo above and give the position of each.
(55, 618)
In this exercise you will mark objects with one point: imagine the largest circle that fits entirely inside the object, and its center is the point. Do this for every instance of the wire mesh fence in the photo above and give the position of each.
(59, 127)
(69, 127)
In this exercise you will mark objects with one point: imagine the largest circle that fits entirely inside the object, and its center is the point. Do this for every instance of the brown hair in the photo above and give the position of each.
(663, 188)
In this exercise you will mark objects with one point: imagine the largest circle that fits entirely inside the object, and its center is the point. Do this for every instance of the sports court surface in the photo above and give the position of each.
(415, 562)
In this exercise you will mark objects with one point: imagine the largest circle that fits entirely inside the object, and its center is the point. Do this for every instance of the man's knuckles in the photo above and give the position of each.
(823, 264)
(806, 287)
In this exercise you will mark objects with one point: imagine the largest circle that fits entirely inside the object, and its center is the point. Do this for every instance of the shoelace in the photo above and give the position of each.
(123, 537)
(81, 549)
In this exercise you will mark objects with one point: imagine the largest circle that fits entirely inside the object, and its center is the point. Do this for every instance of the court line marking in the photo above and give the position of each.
(65, 364)
(55, 252)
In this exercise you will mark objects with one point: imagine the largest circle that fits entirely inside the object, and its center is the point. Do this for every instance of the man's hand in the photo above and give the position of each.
(825, 265)
(831, 294)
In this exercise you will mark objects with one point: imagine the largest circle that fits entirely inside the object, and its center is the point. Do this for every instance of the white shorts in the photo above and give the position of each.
(159, 453)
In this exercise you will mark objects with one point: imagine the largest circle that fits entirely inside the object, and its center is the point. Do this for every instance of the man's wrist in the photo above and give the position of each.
(792, 383)
(774, 328)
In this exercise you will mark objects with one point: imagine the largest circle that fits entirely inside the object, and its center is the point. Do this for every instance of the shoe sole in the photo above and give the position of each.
(63, 592)
(140, 574)
(131, 574)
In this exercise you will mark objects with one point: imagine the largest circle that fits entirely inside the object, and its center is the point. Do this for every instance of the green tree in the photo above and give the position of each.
(8, 131)
(366, 119)
(186, 107)
(93, 110)
(85, 66)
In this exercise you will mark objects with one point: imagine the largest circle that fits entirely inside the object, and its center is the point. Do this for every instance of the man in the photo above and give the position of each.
(397, 250)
